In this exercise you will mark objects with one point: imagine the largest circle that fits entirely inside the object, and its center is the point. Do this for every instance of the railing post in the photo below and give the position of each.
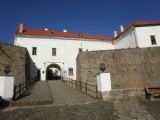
(86, 88)
(96, 92)
(69, 83)
(14, 95)
(75, 84)
(23, 87)
(26, 84)
(80, 85)
(19, 89)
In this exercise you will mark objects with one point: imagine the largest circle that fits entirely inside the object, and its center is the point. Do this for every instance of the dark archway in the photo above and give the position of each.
(38, 74)
(53, 72)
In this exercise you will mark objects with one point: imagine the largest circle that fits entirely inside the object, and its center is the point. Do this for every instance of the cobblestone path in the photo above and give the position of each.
(132, 109)
(124, 109)
(93, 111)
(70, 104)
(62, 94)
(38, 94)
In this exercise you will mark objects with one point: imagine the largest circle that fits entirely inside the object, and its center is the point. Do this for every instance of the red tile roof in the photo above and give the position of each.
(137, 23)
(52, 33)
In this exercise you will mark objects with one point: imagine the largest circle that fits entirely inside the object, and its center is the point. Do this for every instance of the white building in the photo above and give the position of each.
(54, 50)
(138, 34)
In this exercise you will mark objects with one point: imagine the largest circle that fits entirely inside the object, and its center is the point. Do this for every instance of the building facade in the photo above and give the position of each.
(138, 34)
(55, 52)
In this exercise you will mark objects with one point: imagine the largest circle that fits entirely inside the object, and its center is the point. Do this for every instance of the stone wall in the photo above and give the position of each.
(129, 68)
(123, 94)
(19, 60)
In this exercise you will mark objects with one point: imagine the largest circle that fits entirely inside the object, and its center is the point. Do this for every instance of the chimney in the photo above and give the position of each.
(21, 27)
(115, 33)
(121, 28)
(65, 30)
(45, 29)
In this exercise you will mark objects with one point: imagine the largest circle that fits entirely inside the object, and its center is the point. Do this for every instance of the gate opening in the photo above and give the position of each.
(53, 72)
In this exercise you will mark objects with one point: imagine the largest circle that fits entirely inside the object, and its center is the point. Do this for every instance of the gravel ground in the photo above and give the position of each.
(122, 109)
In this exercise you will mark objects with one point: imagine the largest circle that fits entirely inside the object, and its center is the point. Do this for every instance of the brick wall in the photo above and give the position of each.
(129, 68)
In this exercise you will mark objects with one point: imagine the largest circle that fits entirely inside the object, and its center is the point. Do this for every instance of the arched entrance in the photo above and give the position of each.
(53, 72)
(38, 74)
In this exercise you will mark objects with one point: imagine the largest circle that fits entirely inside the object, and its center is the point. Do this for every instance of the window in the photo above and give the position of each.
(34, 50)
(70, 71)
(53, 51)
(153, 40)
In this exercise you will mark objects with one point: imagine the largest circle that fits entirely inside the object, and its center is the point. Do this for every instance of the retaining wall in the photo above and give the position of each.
(19, 60)
(129, 68)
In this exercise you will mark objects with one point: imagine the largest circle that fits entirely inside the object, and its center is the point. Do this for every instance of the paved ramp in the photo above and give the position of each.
(36, 95)
(62, 94)
(52, 92)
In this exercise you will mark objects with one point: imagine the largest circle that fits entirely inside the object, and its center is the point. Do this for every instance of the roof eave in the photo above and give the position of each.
(43, 36)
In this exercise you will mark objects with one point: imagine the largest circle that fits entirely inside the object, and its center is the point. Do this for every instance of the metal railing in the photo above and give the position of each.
(87, 88)
(21, 88)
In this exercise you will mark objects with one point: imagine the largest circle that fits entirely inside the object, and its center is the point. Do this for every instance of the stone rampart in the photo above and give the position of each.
(129, 68)
(19, 60)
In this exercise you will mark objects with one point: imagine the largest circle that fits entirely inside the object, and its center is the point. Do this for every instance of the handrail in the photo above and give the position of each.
(82, 86)
(21, 88)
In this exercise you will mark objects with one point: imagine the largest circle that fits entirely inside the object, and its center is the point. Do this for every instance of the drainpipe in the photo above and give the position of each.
(135, 37)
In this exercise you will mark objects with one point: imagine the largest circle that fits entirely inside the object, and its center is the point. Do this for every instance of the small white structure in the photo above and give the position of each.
(104, 82)
(6, 87)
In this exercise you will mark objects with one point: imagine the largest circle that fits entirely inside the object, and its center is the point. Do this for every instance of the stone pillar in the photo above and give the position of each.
(103, 83)
(6, 87)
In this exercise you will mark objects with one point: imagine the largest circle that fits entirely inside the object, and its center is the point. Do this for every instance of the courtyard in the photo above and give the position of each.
(54, 100)
(120, 109)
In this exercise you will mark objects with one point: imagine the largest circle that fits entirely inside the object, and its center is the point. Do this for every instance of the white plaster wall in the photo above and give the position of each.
(67, 51)
(126, 40)
(144, 33)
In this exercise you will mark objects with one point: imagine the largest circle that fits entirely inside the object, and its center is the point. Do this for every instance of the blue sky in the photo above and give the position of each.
(99, 17)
